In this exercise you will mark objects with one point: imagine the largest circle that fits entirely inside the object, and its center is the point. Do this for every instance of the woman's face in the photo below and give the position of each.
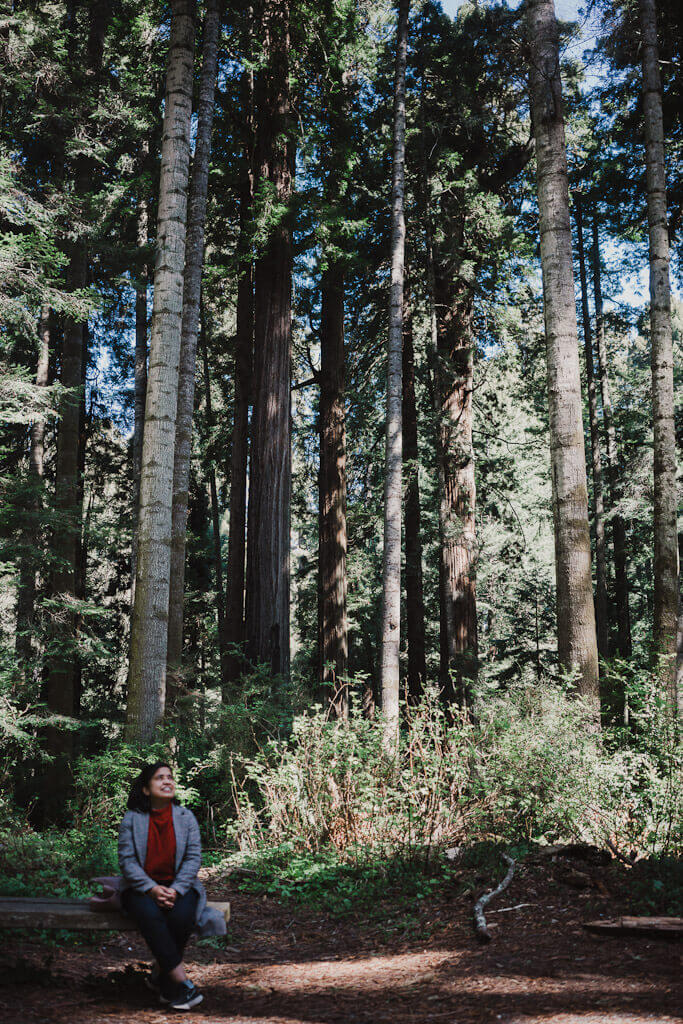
(161, 786)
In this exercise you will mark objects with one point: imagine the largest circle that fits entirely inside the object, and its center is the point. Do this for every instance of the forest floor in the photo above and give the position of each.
(286, 964)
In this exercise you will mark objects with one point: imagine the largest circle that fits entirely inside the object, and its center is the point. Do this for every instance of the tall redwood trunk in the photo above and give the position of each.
(26, 595)
(333, 626)
(621, 588)
(455, 347)
(391, 561)
(415, 613)
(149, 633)
(665, 492)
(268, 551)
(243, 372)
(577, 642)
(601, 604)
(194, 262)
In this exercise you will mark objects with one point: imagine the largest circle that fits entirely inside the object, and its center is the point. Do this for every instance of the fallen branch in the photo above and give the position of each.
(666, 927)
(483, 901)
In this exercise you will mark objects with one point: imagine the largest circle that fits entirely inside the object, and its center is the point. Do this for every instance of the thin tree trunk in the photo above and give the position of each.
(665, 493)
(194, 262)
(415, 614)
(577, 642)
(149, 634)
(391, 561)
(244, 357)
(215, 510)
(601, 605)
(268, 550)
(142, 275)
(26, 596)
(621, 588)
(333, 632)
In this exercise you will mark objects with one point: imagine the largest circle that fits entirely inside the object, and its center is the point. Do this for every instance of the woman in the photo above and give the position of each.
(159, 857)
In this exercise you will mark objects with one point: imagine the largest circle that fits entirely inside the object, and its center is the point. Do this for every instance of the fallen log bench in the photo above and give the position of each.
(664, 927)
(53, 912)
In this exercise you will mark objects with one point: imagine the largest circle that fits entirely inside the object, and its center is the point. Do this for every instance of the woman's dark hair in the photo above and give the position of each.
(137, 799)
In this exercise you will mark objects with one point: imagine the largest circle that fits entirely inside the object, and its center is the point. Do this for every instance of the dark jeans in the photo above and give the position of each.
(165, 931)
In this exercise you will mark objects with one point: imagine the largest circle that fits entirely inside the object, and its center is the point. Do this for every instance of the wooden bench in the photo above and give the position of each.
(52, 912)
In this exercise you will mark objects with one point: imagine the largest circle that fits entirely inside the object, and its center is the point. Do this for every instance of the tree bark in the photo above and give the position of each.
(665, 493)
(142, 275)
(391, 560)
(455, 354)
(621, 588)
(333, 632)
(244, 357)
(415, 614)
(601, 602)
(268, 551)
(577, 643)
(149, 634)
(26, 596)
(215, 510)
(194, 262)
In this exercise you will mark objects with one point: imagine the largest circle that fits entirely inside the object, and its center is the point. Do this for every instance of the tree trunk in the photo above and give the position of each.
(194, 262)
(267, 611)
(215, 510)
(391, 561)
(621, 589)
(601, 606)
(455, 353)
(333, 631)
(26, 595)
(244, 357)
(149, 633)
(665, 494)
(142, 274)
(415, 614)
(577, 642)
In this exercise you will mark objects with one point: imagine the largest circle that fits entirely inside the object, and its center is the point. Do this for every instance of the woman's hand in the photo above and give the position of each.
(163, 896)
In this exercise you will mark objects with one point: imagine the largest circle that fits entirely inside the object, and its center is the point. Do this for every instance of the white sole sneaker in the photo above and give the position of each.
(186, 1004)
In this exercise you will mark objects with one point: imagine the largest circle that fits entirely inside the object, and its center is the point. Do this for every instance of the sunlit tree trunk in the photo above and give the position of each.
(140, 358)
(268, 551)
(194, 262)
(332, 494)
(391, 561)
(149, 634)
(215, 510)
(243, 373)
(621, 587)
(601, 603)
(665, 494)
(577, 643)
(455, 353)
(415, 614)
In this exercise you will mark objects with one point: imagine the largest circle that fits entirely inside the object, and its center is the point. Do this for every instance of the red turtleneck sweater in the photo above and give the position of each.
(160, 859)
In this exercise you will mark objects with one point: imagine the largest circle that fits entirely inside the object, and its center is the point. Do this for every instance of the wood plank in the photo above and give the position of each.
(52, 912)
(669, 927)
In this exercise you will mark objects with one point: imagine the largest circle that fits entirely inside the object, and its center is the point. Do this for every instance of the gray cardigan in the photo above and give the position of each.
(188, 859)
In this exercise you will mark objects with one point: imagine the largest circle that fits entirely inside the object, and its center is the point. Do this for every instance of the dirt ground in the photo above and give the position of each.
(281, 964)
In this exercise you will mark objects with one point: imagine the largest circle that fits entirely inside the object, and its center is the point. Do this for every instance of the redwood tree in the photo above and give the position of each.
(577, 643)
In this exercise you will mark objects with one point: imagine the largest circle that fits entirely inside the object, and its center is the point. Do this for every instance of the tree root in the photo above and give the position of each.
(479, 920)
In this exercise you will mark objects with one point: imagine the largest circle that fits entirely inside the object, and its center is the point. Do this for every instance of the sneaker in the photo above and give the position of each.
(181, 995)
